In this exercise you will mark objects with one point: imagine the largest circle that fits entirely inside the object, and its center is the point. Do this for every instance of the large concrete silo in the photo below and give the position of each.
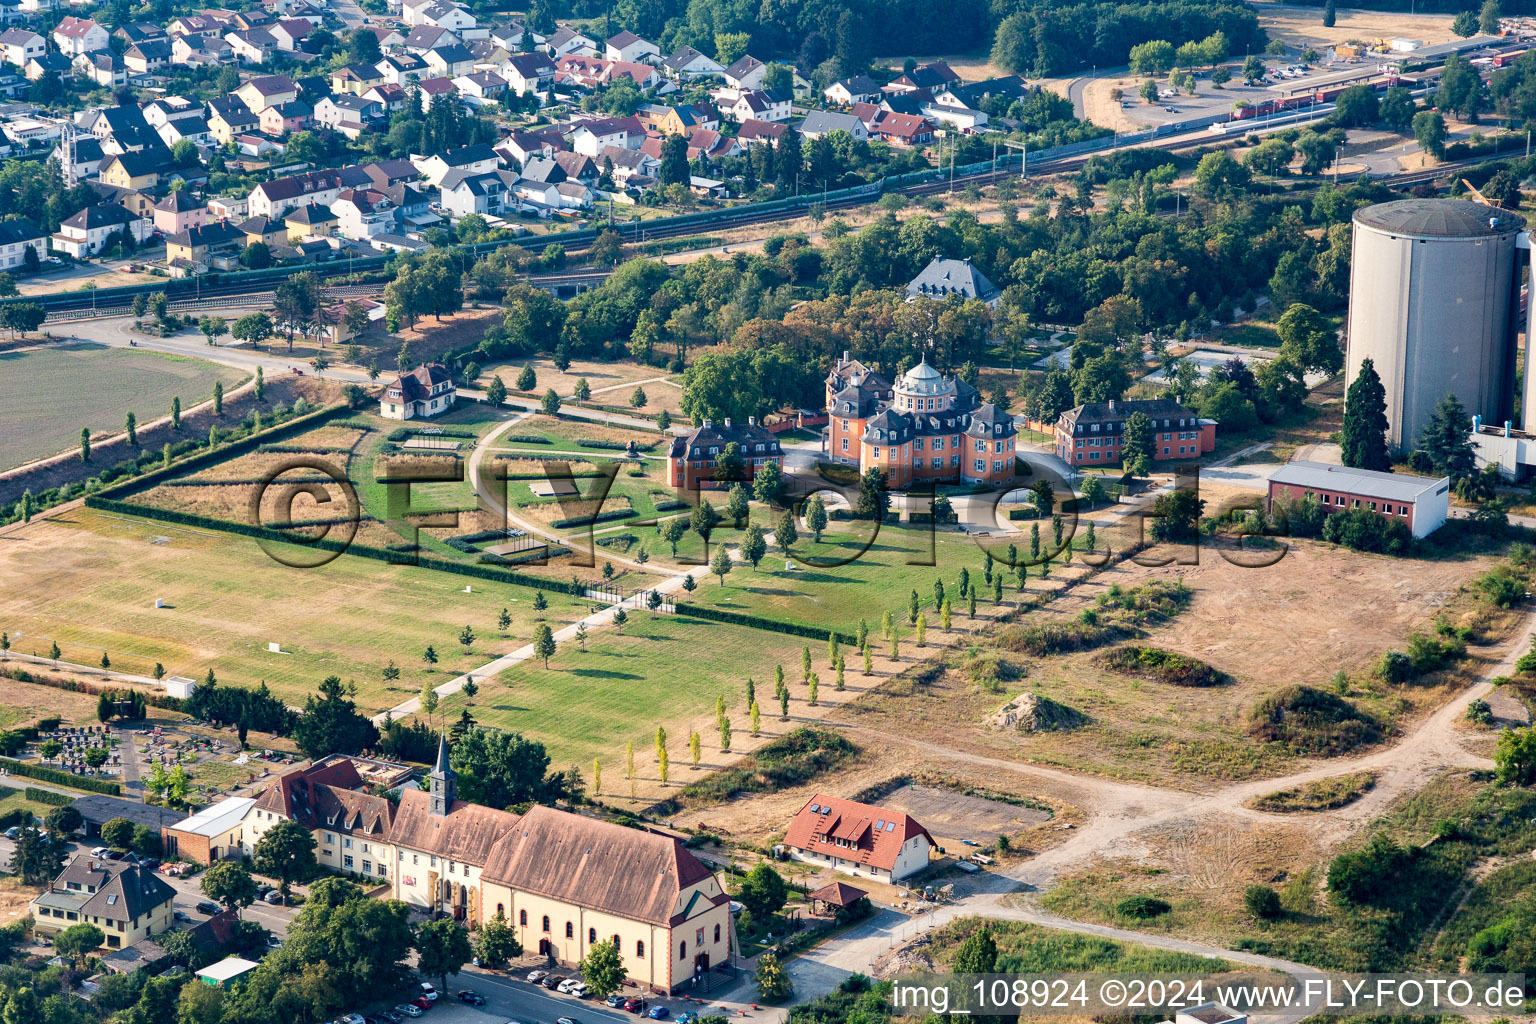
(1433, 299)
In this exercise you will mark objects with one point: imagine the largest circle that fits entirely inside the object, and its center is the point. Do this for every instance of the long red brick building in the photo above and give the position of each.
(1092, 434)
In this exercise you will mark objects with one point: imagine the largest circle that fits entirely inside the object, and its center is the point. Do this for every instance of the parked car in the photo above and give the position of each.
(550, 981)
(274, 897)
(567, 985)
(565, 1020)
(471, 998)
(578, 989)
(616, 1001)
(350, 1018)
(181, 915)
(687, 1017)
(99, 851)
(208, 907)
(428, 992)
(534, 977)
(659, 1013)
(13, 832)
(634, 1004)
(263, 889)
(408, 1010)
(389, 1017)
(149, 863)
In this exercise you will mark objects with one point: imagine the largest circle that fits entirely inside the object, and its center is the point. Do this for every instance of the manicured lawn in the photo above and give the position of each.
(664, 671)
(852, 575)
(49, 394)
(89, 582)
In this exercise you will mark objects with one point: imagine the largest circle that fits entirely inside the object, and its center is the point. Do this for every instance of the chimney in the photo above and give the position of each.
(751, 421)
(1111, 405)
(708, 424)
(727, 423)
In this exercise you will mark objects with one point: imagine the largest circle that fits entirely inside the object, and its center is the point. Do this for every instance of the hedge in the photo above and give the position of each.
(60, 778)
(671, 505)
(758, 622)
(246, 444)
(601, 517)
(48, 796)
(528, 439)
(401, 433)
(362, 550)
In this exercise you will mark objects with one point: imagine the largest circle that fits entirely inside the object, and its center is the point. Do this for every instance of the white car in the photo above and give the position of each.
(428, 992)
(534, 977)
(578, 989)
(351, 1018)
(100, 851)
(408, 1010)
(568, 984)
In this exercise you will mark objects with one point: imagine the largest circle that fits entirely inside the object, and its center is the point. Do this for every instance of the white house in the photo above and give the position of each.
(858, 839)
(349, 115)
(483, 192)
(627, 46)
(87, 232)
(821, 122)
(75, 36)
(858, 89)
(363, 213)
(529, 72)
(472, 159)
(16, 237)
(425, 391)
(746, 73)
(769, 105)
(568, 40)
(589, 138)
(20, 45)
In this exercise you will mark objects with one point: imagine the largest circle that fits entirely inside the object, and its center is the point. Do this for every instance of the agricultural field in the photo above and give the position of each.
(611, 383)
(43, 392)
(89, 581)
(24, 703)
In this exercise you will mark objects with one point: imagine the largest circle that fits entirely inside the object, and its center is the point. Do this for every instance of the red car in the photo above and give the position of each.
(634, 1005)
(423, 1002)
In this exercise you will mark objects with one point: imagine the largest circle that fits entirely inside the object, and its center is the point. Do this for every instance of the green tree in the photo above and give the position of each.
(816, 516)
(753, 545)
(176, 413)
(117, 833)
(1514, 757)
(496, 390)
(767, 482)
(583, 390)
(1464, 24)
(442, 948)
(1155, 57)
(543, 643)
(286, 852)
(1447, 438)
(527, 380)
(763, 892)
(496, 943)
(76, 942)
(1329, 15)
(785, 533)
(1364, 437)
(1488, 18)
(330, 723)
(1262, 901)
(131, 426)
(500, 769)
(549, 405)
(229, 883)
(977, 954)
(720, 563)
(1136, 445)
(737, 507)
(773, 982)
(1429, 129)
(1308, 340)
(603, 969)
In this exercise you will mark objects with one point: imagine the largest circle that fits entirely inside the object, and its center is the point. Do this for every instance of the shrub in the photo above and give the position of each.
(1502, 587)
(1369, 875)
(1360, 529)
(48, 796)
(1262, 901)
(1309, 721)
(1142, 907)
(1394, 667)
(1162, 666)
(791, 760)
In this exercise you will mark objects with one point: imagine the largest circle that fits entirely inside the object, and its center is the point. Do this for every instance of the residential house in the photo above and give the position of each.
(285, 117)
(125, 902)
(20, 45)
(75, 36)
(858, 839)
(589, 137)
(508, 35)
(363, 212)
(310, 221)
(334, 327)
(424, 38)
(356, 79)
(203, 51)
(449, 61)
(255, 144)
(565, 882)
(474, 159)
(228, 117)
(389, 39)
(147, 57)
(266, 91)
(586, 72)
(252, 46)
(746, 74)
(289, 33)
(89, 231)
(103, 69)
(690, 63)
(382, 174)
(81, 159)
(193, 129)
(413, 206)
(199, 25)
(858, 89)
(350, 115)
(578, 166)
(759, 105)
(431, 88)
(210, 835)
(641, 76)
(191, 249)
(932, 76)
(628, 47)
(484, 192)
(627, 164)
(402, 68)
(17, 235)
(903, 129)
(136, 170)
(754, 132)
(55, 64)
(390, 97)
(529, 73)
(822, 122)
(427, 391)
(269, 231)
(229, 207)
(139, 31)
(178, 211)
(481, 87)
(276, 197)
(943, 277)
(568, 40)
(454, 17)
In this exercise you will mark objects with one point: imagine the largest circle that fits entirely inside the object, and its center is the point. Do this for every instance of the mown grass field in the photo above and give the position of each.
(49, 394)
(89, 581)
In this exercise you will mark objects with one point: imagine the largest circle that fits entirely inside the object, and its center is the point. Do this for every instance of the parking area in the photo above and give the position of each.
(951, 815)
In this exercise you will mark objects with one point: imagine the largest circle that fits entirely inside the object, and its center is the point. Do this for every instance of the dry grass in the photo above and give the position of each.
(1303, 27)
(1322, 795)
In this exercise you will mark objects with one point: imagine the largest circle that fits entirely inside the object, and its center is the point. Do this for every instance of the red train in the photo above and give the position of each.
(1306, 99)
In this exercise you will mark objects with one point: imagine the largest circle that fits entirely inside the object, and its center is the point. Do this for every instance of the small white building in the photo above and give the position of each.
(1423, 503)
(179, 687)
(425, 391)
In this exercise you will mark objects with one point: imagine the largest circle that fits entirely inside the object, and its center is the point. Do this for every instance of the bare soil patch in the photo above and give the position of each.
(1303, 27)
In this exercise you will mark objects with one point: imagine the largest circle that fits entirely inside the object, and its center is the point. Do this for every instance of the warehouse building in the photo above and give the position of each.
(1420, 502)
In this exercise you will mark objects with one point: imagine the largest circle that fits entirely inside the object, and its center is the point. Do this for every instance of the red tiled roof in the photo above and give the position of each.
(868, 834)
